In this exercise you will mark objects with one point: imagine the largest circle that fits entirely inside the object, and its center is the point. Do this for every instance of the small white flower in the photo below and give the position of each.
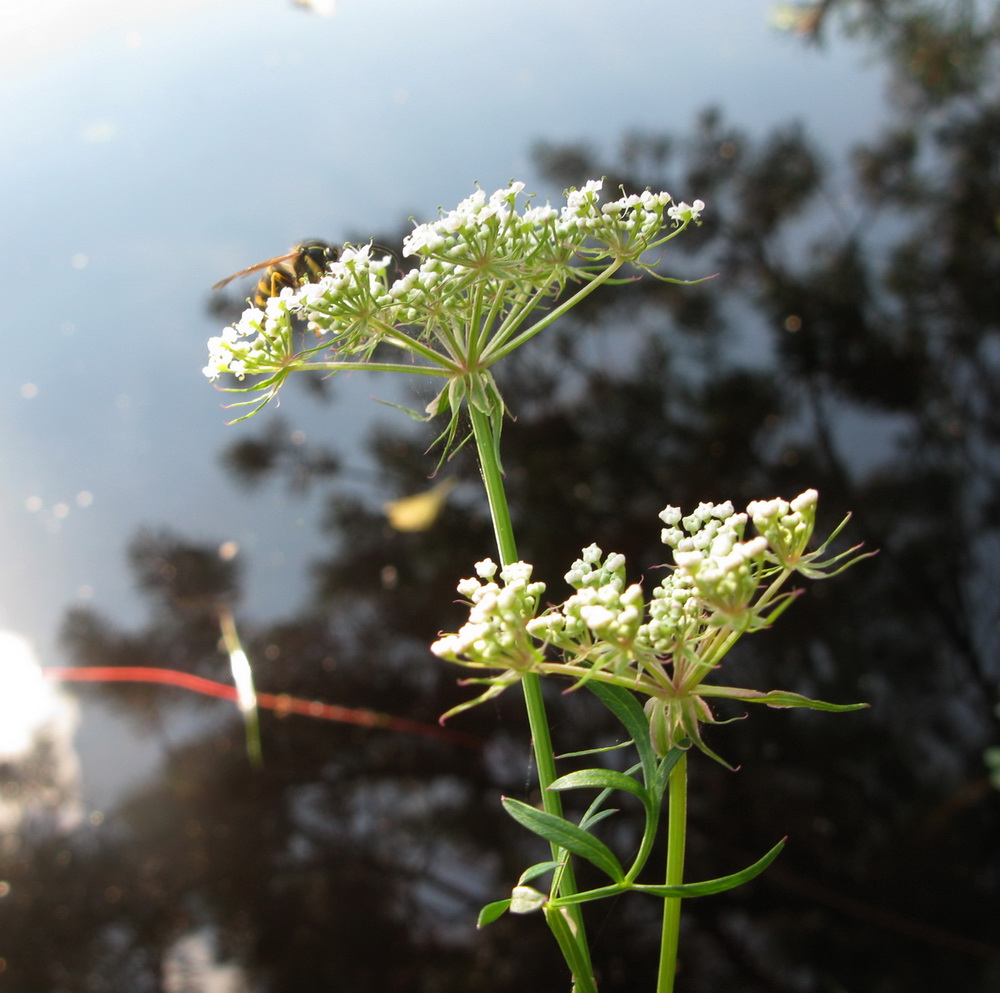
(689, 561)
(805, 501)
(502, 198)
(752, 548)
(468, 587)
(578, 201)
(682, 212)
(360, 255)
(423, 238)
(597, 617)
(540, 215)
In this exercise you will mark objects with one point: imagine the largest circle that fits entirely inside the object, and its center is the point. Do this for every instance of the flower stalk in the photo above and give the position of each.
(488, 277)
(674, 876)
(572, 940)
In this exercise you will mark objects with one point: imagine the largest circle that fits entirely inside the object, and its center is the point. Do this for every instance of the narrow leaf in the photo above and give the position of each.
(603, 779)
(591, 818)
(666, 766)
(711, 886)
(595, 751)
(629, 712)
(777, 698)
(606, 779)
(538, 869)
(558, 831)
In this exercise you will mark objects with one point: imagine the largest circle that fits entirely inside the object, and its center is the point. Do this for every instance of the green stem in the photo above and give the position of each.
(541, 740)
(509, 346)
(334, 366)
(489, 465)
(676, 837)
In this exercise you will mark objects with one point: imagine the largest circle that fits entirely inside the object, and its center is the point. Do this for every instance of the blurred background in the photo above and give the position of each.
(848, 155)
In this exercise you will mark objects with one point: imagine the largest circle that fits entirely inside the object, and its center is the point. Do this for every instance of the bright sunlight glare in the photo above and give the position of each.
(37, 724)
(27, 700)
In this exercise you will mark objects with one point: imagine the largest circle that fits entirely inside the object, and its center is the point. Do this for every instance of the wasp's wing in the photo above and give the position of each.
(255, 268)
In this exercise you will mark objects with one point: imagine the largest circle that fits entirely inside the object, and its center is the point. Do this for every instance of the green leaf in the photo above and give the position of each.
(494, 689)
(664, 769)
(714, 885)
(606, 779)
(491, 912)
(558, 831)
(623, 704)
(683, 890)
(594, 816)
(413, 414)
(538, 869)
(603, 779)
(777, 698)
(564, 924)
(595, 751)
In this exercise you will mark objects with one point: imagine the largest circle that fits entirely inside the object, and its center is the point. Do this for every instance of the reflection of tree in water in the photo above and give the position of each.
(855, 356)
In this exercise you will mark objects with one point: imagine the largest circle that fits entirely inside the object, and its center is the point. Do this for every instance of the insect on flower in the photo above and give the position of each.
(305, 263)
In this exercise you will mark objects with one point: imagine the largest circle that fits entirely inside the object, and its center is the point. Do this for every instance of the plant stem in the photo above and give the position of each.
(676, 837)
(489, 465)
(541, 740)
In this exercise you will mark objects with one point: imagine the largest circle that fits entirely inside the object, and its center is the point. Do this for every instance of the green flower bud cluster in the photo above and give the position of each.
(787, 526)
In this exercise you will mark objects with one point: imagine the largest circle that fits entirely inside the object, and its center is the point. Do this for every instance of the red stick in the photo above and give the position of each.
(280, 703)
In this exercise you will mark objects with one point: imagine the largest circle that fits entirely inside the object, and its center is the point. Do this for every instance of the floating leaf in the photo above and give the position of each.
(419, 511)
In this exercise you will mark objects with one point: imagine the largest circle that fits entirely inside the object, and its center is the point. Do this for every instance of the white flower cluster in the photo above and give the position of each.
(496, 633)
(720, 588)
(484, 250)
(709, 524)
(603, 617)
(590, 571)
(262, 340)
(255, 342)
(460, 234)
(229, 352)
(609, 625)
(473, 216)
(349, 296)
(726, 581)
(712, 558)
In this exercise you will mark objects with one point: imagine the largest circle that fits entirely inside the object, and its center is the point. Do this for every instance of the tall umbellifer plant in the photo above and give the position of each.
(491, 275)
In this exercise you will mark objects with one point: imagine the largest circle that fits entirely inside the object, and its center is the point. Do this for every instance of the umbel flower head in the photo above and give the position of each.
(482, 272)
(721, 586)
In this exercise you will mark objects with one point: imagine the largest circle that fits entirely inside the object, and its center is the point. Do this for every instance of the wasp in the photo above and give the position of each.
(305, 263)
